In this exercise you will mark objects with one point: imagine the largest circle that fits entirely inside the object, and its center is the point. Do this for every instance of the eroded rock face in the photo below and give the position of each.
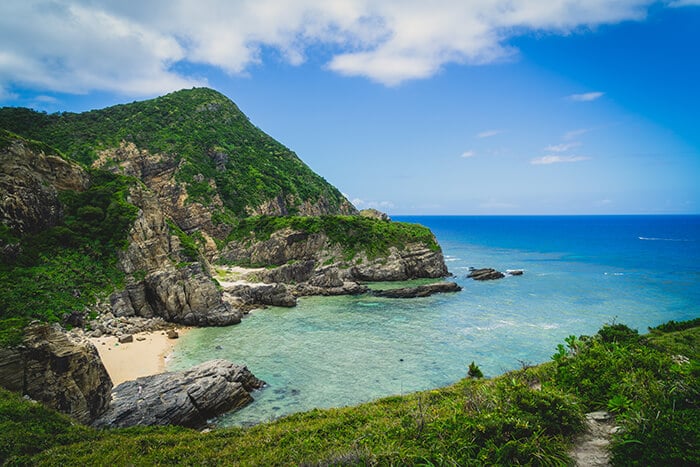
(30, 180)
(188, 398)
(184, 295)
(65, 375)
(302, 256)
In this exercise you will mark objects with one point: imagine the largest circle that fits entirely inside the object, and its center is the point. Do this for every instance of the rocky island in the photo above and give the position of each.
(130, 218)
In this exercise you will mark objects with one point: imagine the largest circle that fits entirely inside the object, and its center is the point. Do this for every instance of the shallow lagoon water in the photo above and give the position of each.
(579, 274)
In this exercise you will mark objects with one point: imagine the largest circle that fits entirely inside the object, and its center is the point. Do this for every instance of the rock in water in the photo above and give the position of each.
(419, 291)
(186, 398)
(485, 274)
(62, 374)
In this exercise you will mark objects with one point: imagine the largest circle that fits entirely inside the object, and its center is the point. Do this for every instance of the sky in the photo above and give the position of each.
(495, 107)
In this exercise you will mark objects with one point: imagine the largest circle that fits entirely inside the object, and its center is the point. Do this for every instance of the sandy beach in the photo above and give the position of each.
(144, 356)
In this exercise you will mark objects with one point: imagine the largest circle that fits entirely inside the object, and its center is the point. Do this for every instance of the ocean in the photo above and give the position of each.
(580, 272)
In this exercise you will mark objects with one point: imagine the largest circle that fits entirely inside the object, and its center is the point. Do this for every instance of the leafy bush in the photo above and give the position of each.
(66, 267)
(353, 233)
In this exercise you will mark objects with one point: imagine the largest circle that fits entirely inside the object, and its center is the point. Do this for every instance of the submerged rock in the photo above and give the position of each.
(419, 291)
(186, 398)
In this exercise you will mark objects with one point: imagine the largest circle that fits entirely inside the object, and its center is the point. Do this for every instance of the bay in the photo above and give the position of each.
(580, 273)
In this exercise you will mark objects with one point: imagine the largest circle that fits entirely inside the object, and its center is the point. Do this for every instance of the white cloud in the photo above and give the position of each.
(553, 159)
(468, 154)
(488, 133)
(569, 135)
(135, 47)
(361, 204)
(563, 147)
(586, 97)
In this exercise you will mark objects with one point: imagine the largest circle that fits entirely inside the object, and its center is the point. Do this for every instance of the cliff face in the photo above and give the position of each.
(67, 376)
(30, 178)
(178, 293)
(314, 254)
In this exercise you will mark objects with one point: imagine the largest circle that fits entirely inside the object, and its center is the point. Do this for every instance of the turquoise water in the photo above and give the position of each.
(580, 272)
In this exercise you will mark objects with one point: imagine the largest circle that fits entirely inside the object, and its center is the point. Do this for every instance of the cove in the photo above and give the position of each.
(580, 273)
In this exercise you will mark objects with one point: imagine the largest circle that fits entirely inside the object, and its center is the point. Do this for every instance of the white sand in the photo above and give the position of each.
(131, 360)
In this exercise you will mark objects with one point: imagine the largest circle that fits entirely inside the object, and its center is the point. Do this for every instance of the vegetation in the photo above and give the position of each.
(205, 130)
(63, 269)
(353, 233)
(508, 420)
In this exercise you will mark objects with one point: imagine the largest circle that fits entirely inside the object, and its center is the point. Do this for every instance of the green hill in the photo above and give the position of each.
(216, 149)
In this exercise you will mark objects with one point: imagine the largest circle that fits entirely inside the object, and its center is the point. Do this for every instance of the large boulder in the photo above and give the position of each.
(187, 398)
(65, 375)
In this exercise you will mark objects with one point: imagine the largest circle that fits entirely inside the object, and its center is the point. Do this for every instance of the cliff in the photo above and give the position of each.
(121, 212)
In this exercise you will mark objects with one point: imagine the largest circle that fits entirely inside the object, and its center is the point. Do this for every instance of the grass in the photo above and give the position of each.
(499, 421)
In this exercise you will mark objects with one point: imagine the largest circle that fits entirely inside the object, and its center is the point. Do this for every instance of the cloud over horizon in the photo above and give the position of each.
(80, 46)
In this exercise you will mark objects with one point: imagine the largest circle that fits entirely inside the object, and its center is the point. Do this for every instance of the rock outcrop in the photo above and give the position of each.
(485, 274)
(188, 398)
(185, 295)
(256, 295)
(65, 375)
(489, 274)
(375, 214)
(419, 291)
(302, 256)
(30, 178)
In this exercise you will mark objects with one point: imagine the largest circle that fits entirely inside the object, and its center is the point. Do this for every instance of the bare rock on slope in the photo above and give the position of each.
(187, 398)
(67, 376)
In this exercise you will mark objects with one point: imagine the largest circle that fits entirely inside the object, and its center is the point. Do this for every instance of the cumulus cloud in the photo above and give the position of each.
(468, 154)
(555, 159)
(586, 97)
(140, 48)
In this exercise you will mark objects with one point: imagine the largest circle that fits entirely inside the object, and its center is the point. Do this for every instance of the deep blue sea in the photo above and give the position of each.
(580, 273)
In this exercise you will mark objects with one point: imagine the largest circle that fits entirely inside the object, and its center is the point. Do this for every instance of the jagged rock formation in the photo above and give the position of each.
(188, 398)
(489, 274)
(485, 274)
(419, 291)
(185, 295)
(313, 254)
(67, 376)
(31, 175)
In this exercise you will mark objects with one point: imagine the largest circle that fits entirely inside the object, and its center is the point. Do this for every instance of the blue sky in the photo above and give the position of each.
(411, 107)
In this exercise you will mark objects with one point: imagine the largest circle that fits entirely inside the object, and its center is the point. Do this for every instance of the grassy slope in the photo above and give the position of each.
(194, 125)
(473, 422)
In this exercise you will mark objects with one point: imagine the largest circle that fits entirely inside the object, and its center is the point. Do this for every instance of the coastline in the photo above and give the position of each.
(144, 356)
